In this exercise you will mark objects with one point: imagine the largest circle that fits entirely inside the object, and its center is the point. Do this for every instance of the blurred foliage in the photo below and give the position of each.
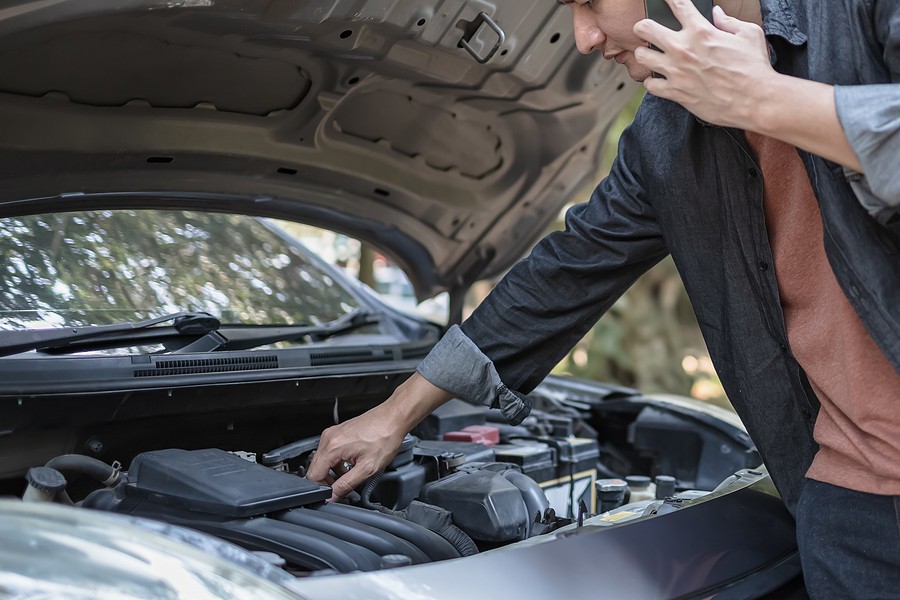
(109, 266)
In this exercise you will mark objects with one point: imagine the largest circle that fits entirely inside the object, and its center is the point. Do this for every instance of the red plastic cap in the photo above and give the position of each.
(479, 434)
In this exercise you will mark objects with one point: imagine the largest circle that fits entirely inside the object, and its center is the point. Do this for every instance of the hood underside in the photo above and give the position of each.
(448, 133)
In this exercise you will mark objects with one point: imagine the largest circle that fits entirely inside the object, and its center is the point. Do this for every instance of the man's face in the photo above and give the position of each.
(605, 26)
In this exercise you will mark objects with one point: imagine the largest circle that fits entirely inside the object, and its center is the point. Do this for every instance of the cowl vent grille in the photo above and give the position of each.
(340, 357)
(409, 353)
(209, 365)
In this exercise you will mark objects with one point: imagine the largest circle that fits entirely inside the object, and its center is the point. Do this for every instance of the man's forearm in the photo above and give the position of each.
(413, 400)
(802, 113)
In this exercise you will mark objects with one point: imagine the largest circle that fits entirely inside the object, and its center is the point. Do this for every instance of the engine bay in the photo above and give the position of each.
(462, 483)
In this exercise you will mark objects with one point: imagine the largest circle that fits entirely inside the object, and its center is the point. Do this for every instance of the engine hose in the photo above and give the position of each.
(460, 539)
(438, 520)
(85, 465)
(535, 500)
(365, 497)
(425, 515)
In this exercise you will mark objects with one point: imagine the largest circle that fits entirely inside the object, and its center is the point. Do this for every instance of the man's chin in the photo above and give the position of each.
(637, 72)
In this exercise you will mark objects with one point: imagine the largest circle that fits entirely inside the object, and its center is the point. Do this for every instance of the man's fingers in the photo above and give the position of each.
(348, 482)
(685, 12)
(653, 33)
(650, 58)
(655, 86)
(725, 22)
(661, 36)
(320, 464)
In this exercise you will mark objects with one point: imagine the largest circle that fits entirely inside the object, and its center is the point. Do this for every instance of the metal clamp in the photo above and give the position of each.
(480, 20)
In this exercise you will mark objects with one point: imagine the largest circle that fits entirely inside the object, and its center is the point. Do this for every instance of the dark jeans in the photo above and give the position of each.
(849, 543)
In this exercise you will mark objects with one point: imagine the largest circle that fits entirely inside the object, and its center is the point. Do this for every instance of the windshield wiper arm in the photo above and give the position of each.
(183, 323)
(247, 337)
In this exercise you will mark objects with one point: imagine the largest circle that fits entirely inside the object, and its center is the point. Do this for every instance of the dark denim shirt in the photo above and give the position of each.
(683, 187)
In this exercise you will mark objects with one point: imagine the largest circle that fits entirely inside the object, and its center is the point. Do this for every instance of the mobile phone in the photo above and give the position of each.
(660, 12)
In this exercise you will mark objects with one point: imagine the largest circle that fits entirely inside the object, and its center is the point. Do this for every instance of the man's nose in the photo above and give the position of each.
(588, 36)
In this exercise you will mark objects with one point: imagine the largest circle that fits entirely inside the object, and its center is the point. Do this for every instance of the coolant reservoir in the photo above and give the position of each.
(641, 487)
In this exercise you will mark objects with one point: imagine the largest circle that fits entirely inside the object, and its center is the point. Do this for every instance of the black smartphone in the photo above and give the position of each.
(660, 12)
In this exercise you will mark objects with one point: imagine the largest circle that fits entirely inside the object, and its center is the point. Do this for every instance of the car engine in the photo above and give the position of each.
(463, 483)
(438, 499)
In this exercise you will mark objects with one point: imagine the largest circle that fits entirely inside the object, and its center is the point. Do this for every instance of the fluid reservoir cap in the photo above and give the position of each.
(479, 434)
(638, 482)
(46, 479)
(611, 485)
(665, 487)
(610, 494)
(392, 561)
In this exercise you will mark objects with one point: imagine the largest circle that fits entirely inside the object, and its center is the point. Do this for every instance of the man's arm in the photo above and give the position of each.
(543, 306)
(722, 74)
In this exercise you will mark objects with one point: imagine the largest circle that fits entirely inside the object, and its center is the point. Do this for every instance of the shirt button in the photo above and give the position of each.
(806, 413)
(763, 265)
(752, 172)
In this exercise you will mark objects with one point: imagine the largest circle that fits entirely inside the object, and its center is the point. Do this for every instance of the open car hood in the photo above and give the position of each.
(448, 133)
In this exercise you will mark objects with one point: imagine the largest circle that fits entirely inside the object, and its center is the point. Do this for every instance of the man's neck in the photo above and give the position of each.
(745, 10)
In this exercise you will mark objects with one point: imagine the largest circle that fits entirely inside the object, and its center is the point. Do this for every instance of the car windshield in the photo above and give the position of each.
(109, 266)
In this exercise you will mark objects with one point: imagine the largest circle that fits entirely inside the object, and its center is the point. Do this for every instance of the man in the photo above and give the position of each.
(766, 163)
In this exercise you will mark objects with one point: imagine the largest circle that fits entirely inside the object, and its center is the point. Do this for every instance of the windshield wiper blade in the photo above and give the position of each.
(211, 335)
(183, 324)
(250, 336)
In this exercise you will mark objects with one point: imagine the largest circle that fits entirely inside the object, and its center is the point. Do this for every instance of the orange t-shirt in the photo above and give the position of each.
(858, 427)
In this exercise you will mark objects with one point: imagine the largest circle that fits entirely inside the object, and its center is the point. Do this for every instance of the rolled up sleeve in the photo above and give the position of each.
(870, 117)
(456, 365)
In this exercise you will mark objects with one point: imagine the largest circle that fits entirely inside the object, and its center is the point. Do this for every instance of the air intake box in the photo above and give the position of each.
(484, 505)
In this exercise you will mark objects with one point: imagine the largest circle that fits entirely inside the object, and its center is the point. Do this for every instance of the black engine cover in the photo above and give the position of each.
(215, 482)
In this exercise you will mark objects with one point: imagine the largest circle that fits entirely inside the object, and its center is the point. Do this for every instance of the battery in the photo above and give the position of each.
(565, 468)
(535, 459)
(576, 455)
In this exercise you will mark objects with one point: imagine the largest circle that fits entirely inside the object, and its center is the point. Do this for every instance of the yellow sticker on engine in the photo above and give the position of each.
(618, 516)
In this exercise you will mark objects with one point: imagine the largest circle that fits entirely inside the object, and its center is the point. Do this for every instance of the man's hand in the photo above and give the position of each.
(715, 70)
(721, 72)
(367, 443)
